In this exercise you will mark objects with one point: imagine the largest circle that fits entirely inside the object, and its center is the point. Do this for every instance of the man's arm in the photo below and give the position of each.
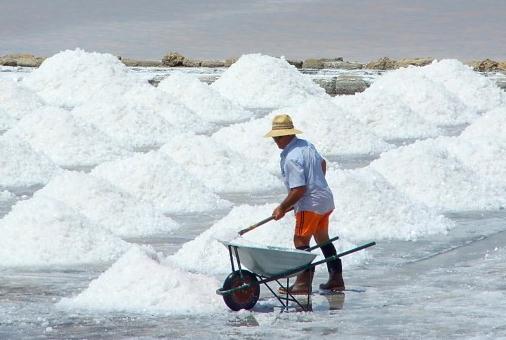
(293, 196)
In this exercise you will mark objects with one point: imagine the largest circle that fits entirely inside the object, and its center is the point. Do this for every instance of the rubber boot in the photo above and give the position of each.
(335, 282)
(302, 285)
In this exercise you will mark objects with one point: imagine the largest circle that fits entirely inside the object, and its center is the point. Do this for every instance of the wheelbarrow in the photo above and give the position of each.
(264, 265)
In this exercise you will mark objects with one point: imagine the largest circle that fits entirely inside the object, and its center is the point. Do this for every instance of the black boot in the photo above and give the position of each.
(335, 269)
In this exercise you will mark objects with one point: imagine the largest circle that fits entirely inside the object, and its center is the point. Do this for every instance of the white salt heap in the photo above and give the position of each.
(139, 283)
(332, 130)
(21, 166)
(257, 80)
(427, 173)
(367, 207)
(72, 77)
(220, 168)
(107, 206)
(18, 101)
(203, 99)
(482, 146)
(479, 93)
(248, 140)
(205, 254)
(45, 232)
(6, 120)
(154, 177)
(68, 141)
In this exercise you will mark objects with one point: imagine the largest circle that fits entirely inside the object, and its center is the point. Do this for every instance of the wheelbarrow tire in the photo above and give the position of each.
(243, 298)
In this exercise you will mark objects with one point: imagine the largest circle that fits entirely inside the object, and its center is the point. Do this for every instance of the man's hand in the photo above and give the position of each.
(278, 213)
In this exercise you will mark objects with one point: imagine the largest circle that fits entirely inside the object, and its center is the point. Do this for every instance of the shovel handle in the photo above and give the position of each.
(256, 225)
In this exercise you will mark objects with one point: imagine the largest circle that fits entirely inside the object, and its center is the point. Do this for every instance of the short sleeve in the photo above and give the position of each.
(294, 170)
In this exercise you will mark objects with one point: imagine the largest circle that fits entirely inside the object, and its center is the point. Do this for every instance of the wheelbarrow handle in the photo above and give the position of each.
(323, 243)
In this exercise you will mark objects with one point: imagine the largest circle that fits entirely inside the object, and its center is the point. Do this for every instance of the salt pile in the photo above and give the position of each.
(482, 146)
(20, 166)
(479, 93)
(427, 173)
(248, 140)
(44, 232)
(367, 207)
(332, 130)
(68, 141)
(72, 77)
(6, 120)
(257, 80)
(206, 254)
(17, 100)
(221, 169)
(107, 206)
(202, 99)
(386, 116)
(154, 177)
(138, 282)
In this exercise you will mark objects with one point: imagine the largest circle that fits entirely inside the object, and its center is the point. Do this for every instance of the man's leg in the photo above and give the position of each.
(334, 267)
(304, 226)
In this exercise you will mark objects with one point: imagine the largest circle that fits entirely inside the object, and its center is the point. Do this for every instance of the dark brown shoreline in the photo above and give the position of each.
(174, 59)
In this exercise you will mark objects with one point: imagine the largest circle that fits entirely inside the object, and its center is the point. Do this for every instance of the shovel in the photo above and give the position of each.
(258, 224)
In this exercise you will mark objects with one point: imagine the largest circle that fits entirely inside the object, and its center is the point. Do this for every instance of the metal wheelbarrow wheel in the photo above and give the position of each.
(243, 298)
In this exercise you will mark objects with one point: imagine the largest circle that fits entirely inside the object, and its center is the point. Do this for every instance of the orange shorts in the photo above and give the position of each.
(307, 223)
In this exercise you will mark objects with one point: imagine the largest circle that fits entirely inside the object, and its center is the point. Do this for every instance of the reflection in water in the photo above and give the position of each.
(336, 300)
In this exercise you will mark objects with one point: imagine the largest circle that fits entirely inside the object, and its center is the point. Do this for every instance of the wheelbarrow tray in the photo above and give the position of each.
(268, 261)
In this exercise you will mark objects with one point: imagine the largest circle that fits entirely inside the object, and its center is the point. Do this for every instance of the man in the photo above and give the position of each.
(303, 171)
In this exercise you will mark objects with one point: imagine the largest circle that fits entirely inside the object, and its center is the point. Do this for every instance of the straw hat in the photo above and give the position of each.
(282, 125)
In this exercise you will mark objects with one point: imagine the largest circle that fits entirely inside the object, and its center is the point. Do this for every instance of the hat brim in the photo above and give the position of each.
(282, 132)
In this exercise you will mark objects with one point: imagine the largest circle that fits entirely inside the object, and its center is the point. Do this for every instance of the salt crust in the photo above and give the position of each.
(257, 80)
(107, 206)
(21, 166)
(154, 177)
(202, 99)
(52, 234)
(139, 282)
(220, 169)
(67, 140)
(18, 100)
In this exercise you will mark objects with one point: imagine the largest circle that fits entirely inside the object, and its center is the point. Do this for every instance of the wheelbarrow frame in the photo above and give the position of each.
(283, 299)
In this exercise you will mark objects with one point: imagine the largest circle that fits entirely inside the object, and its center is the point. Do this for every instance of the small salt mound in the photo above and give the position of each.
(476, 91)
(138, 283)
(257, 80)
(427, 173)
(221, 169)
(369, 208)
(17, 100)
(426, 97)
(202, 99)
(154, 177)
(332, 130)
(386, 116)
(482, 146)
(247, 139)
(21, 166)
(107, 206)
(68, 141)
(71, 78)
(45, 232)
(205, 254)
